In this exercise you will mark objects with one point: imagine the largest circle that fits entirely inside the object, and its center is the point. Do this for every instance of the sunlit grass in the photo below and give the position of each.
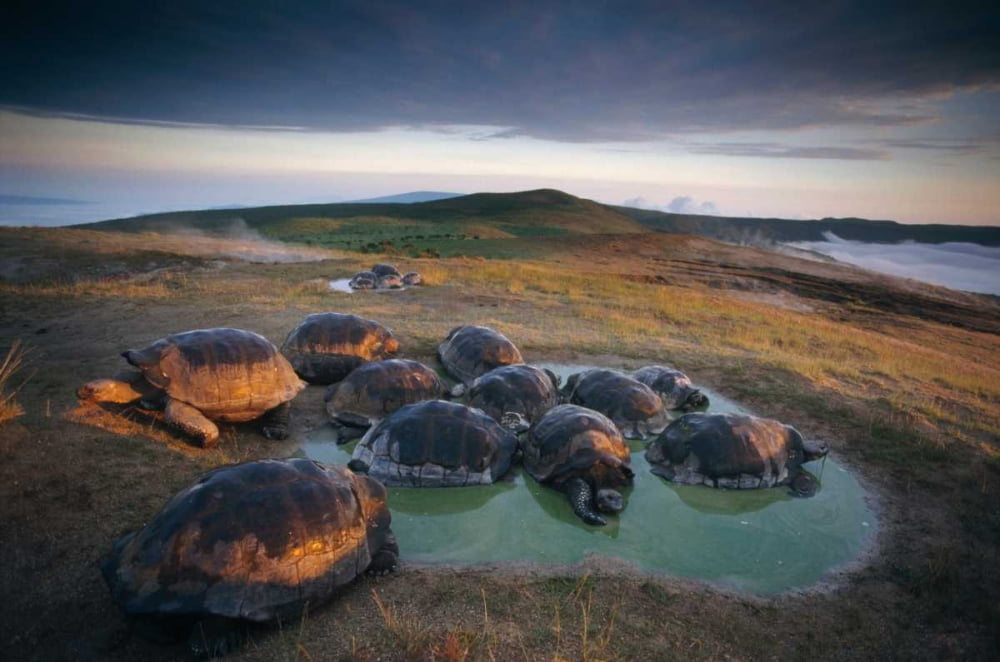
(11, 364)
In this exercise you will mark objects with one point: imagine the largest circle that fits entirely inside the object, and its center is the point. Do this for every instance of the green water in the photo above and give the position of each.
(759, 541)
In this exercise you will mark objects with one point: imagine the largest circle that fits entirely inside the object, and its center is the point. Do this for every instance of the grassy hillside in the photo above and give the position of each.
(468, 224)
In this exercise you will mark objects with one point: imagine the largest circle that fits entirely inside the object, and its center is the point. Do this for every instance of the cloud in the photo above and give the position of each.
(961, 266)
(779, 151)
(683, 204)
(578, 73)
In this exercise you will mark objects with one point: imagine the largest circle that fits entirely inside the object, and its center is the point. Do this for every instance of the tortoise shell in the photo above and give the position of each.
(734, 451)
(363, 280)
(412, 278)
(383, 269)
(375, 390)
(569, 440)
(673, 387)
(437, 444)
(520, 388)
(325, 347)
(227, 374)
(254, 541)
(471, 351)
(634, 407)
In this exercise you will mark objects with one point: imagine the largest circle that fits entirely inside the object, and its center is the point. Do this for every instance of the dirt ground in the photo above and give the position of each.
(73, 478)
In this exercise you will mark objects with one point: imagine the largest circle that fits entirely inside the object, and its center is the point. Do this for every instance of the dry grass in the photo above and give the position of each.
(12, 363)
(911, 404)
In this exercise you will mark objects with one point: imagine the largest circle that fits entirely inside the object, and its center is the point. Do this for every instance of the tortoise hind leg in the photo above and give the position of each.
(275, 422)
(192, 422)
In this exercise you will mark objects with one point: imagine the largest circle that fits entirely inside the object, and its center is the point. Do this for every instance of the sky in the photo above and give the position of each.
(879, 110)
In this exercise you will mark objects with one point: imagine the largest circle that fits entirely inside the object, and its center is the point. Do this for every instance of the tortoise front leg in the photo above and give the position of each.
(385, 559)
(192, 422)
(276, 422)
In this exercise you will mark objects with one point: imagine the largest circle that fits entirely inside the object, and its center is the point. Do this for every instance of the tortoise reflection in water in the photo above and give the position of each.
(254, 542)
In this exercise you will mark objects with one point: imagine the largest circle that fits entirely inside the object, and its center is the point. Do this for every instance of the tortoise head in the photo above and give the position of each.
(814, 449)
(696, 400)
(515, 422)
(554, 378)
(609, 500)
(372, 497)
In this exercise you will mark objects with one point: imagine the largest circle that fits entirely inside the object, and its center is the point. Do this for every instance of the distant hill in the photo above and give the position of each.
(765, 230)
(484, 224)
(413, 196)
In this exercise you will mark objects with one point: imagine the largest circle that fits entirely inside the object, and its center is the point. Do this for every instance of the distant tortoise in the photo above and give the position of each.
(390, 282)
(383, 269)
(582, 453)
(375, 390)
(363, 280)
(734, 451)
(438, 444)
(325, 347)
(520, 388)
(471, 351)
(634, 407)
(673, 387)
(258, 542)
(412, 278)
(207, 375)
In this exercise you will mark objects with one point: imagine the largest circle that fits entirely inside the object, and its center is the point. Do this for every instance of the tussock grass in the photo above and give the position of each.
(12, 363)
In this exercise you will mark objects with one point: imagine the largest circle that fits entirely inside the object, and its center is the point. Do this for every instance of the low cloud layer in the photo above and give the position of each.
(960, 266)
(682, 204)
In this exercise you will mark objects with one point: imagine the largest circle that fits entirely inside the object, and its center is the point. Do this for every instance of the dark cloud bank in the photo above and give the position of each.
(564, 71)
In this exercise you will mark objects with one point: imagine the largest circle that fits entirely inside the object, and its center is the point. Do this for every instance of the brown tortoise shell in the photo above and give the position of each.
(254, 541)
(227, 374)
(471, 351)
(570, 440)
(325, 347)
(520, 388)
(375, 390)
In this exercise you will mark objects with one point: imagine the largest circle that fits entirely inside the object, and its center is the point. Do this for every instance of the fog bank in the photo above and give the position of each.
(960, 266)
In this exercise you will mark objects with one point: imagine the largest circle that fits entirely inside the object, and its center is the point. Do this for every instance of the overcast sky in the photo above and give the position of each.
(881, 110)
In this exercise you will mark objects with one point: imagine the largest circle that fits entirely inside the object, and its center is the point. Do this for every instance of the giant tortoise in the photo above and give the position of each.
(580, 452)
(325, 347)
(470, 351)
(438, 444)
(735, 451)
(258, 542)
(634, 407)
(207, 375)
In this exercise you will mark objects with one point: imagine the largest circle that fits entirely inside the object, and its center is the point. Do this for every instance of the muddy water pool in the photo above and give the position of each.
(759, 541)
